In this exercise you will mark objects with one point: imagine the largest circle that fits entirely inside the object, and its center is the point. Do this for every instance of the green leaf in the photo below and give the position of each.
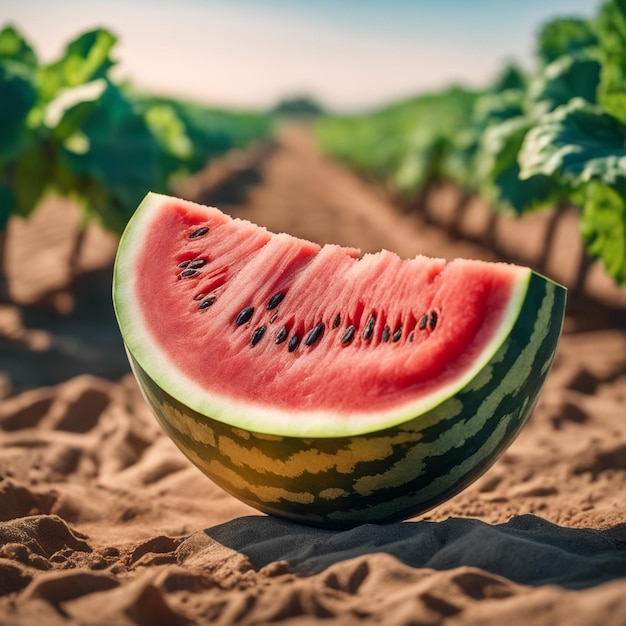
(611, 28)
(568, 77)
(603, 227)
(463, 161)
(119, 152)
(86, 59)
(17, 97)
(169, 131)
(492, 108)
(421, 164)
(498, 169)
(31, 177)
(428, 130)
(404, 143)
(7, 203)
(614, 102)
(72, 106)
(15, 48)
(511, 77)
(509, 192)
(578, 143)
(564, 36)
(500, 145)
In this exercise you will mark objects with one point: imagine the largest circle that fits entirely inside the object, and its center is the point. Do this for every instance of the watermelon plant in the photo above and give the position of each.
(67, 127)
(406, 144)
(550, 137)
(211, 132)
(323, 387)
(588, 157)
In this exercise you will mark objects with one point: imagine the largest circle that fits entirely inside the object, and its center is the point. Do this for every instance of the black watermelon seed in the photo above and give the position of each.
(257, 335)
(197, 263)
(397, 334)
(337, 320)
(199, 296)
(423, 321)
(294, 342)
(412, 336)
(274, 301)
(313, 335)
(184, 264)
(273, 318)
(281, 335)
(244, 315)
(433, 320)
(205, 304)
(386, 334)
(369, 327)
(198, 233)
(348, 335)
(187, 273)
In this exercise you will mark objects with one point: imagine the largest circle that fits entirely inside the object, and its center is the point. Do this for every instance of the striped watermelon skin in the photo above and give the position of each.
(387, 475)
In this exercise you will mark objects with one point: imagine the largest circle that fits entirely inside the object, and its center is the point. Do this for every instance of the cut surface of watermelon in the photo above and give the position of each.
(274, 334)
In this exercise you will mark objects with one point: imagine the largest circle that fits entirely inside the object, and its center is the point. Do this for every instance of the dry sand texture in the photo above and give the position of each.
(103, 521)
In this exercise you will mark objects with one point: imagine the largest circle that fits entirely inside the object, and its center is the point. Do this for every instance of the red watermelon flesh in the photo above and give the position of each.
(435, 323)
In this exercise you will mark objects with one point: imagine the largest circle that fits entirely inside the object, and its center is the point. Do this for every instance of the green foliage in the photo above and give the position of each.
(13, 47)
(510, 78)
(111, 158)
(6, 205)
(584, 149)
(18, 92)
(436, 132)
(568, 77)
(405, 144)
(603, 226)
(554, 134)
(611, 28)
(18, 96)
(577, 143)
(498, 169)
(563, 37)
(67, 127)
(208, 132)
(86, 58)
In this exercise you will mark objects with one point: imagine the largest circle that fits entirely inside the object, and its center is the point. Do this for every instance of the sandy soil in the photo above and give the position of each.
(103, 521)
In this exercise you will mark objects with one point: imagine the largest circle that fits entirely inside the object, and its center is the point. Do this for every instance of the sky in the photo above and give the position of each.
(349, 54)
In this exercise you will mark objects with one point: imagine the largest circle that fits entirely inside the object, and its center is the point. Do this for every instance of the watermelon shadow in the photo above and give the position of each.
(527, 550)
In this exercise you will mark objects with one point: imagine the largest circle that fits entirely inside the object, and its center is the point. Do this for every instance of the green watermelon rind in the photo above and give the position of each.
(383, 476)
(266, 419)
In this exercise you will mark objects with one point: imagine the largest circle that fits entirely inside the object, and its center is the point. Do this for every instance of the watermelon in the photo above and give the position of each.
(319, 385)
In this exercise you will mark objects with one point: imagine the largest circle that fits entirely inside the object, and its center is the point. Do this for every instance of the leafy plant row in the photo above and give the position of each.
(551, 136)
(69, 127)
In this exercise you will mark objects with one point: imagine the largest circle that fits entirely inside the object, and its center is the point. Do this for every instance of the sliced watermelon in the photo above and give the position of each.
(321, 386)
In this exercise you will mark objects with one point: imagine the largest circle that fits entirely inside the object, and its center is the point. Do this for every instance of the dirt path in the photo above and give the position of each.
(308, 195)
